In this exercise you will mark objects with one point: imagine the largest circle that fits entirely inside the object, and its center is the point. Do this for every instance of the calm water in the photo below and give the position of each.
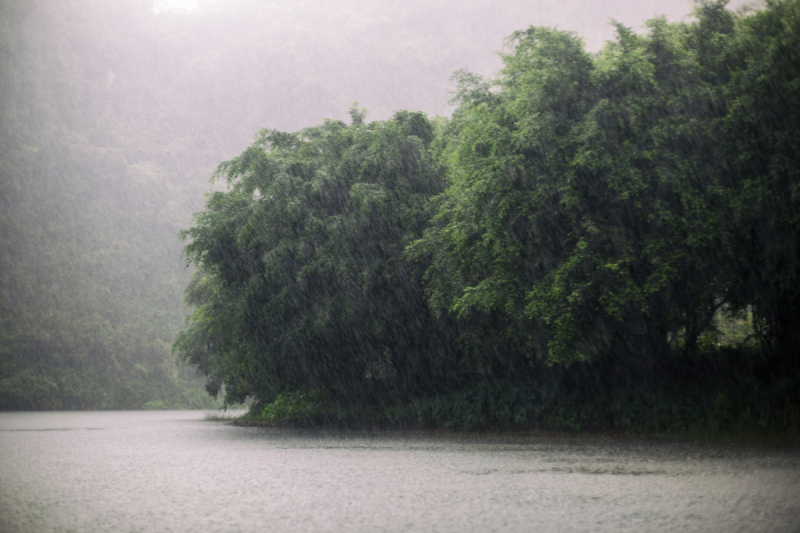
(173, 471)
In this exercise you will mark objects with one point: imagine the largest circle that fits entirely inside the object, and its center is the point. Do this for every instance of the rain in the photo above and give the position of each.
(536, 252)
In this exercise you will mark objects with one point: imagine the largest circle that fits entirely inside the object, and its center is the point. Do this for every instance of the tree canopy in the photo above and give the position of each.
(576, 208)
(600, 204)
(301, 281)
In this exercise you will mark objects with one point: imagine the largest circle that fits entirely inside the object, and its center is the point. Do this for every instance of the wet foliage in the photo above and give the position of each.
(561, 252)
(301, 280)
(681, 400)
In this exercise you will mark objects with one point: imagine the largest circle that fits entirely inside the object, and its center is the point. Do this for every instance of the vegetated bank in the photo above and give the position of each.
(602, 241)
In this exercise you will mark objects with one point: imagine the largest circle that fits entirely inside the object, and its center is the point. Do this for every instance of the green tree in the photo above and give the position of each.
(498, 225)
(762, 156)
(301, 283)
(589, 200)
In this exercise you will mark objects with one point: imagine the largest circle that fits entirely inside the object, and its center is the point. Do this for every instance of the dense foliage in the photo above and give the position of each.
(599, 205)
(589, 215)
(301, 280)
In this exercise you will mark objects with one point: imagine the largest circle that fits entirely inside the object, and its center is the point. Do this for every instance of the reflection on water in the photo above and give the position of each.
(174, 471)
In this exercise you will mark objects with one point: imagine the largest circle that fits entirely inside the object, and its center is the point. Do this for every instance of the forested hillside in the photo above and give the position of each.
(566, 251)
(90, 272)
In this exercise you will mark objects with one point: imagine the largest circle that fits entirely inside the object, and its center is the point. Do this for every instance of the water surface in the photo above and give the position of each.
(174, 471)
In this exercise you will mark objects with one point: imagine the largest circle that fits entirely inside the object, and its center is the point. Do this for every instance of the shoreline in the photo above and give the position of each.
(361, 428)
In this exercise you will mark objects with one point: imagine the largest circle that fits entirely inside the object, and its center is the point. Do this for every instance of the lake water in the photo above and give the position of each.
(174, 471)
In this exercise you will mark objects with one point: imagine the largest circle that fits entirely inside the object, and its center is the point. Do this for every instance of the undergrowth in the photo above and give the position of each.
(717, 395)
(675, 411)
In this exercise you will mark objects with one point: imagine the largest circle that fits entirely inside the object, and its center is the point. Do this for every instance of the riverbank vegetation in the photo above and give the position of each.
(604, 241)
